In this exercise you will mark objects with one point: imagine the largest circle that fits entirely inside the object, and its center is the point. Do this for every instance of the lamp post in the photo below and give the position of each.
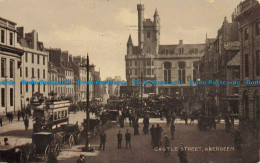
(87, 148)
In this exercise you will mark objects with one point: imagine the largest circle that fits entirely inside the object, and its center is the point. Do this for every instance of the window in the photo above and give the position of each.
(26, 72)
(144, 63)
(181, 50)
(167, 71)
(26, 87)
(246, 34)
(3, 97)
(32, 58)
(2, 36)
(11, 97)
(148, 63)
(257, 28)
(39, 74)
(148, 34)
(135, 71)
(11, 38)
(11, 68)
(181, 71)
(21, 72)
(257, 63)
(246, 65)
(43, 74)
(152, 72)
(2, 68)
(195, 68)
(152, 62)
(43, 60)
(38, 59)
(135, 63)
(26, 57)
(32, 72)
(148, 71)
(21, 88)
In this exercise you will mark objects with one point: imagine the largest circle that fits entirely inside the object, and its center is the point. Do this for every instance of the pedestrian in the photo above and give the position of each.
(8, 116)
(153, 135)
(172, 130)
(103, 138)
(166, 145)
(23, 114)
(26, 123)
(18, 115)
(136, 126)
(159, 131)
(119, 139)
(1, 121)
(11, 117)
(128, 139)
(182, 154)
(81, 159)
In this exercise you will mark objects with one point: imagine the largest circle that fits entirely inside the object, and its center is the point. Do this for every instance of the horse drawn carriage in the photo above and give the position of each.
(45, 145)
(70, 133)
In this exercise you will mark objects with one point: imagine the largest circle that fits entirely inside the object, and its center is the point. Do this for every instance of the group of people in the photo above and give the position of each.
(156, 134)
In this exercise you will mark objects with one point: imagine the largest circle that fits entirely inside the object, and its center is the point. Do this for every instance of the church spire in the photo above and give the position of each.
(156, 13)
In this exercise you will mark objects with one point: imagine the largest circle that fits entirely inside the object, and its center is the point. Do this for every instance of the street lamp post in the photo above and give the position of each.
(87, 148)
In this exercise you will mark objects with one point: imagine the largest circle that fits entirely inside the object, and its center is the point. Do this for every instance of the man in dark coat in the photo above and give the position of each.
(128, 139)
(182, 154)
(26, 123)
(167, 145)
(103, 138)
(119, 139)
(136, 127)
(153, 135)
(81, 159)
(172, 130)
(19, 115)
(159, 131)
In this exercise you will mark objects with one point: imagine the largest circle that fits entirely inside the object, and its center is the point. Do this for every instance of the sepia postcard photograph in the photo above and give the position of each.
(130, 81)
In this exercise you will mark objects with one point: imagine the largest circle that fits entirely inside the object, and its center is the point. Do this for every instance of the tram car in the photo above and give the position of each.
(45, 146)
(50, 114)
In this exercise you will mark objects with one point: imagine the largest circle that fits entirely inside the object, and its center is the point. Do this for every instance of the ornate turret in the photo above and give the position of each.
(129, 46)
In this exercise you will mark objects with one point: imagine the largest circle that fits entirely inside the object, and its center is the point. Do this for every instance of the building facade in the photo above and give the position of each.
(10, 54)
(150, 61)
(248, 15)
(34, 66)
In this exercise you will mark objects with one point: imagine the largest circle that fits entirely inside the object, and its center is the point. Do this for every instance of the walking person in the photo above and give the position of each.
(19, 115)
(81, 159)
(128, 139)
(153, 135)
(26, 123)
(11, 117)
(182, 154)
(159, 131)
(103, 138)
(119, 139)
(167, 145)
(172, 130)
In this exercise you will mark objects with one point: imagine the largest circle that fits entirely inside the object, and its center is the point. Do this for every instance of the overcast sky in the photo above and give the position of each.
(101, 27)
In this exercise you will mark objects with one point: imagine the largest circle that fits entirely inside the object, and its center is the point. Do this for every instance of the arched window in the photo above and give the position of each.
(245, 106)
(181, 71)
(167, 71)
(257, 105)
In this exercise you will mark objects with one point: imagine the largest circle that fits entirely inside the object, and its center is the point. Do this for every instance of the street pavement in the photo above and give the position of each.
(142, 150)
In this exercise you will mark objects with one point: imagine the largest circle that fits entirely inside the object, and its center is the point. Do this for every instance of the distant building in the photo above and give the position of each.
(10, 54)
(34, 65)
(151, 61)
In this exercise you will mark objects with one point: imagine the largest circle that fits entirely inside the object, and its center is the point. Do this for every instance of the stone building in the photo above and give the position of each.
(10, 54)
(248, 15)
(151, 61)
(34, 65)
(221, 63)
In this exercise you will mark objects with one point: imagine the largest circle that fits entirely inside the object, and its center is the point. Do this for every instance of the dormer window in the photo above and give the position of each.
(181, 50)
